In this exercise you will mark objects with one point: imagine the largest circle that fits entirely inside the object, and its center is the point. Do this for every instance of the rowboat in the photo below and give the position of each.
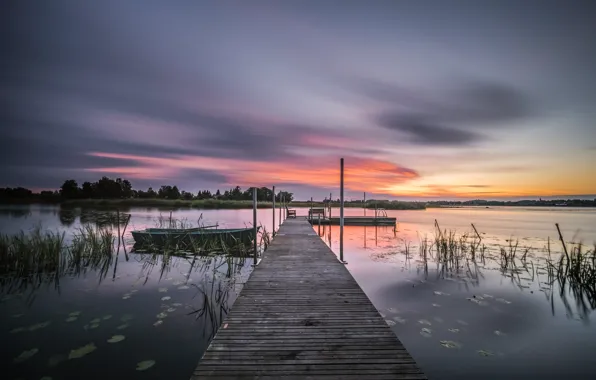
(197, 235)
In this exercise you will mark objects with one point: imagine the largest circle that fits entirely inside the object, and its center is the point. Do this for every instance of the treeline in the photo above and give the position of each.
(107, 188)
(526, 202)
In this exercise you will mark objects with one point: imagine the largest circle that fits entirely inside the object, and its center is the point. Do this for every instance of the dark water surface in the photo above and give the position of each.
(514, 317)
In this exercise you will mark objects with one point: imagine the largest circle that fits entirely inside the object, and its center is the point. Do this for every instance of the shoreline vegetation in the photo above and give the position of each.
(119, 193)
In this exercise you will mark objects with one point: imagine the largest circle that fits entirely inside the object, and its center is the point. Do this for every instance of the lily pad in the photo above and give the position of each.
(106, 317)
(26, 355)
(502, 300)
(477, 301)
(440, 293)
(166, 298)
(176, 283)
(487, 296)
(162, 290)
(38, 326)
(389, 322)
(425, 332)
(399, 320)
(126, 317)
(171, 310)
(424, 322)
(450, 344)
(184, 287)
(126, 296)
(159, 322)
(94, 325)
(123, 326)
(96, 320)
(176, 304)
(161, 315)
(74, 314)
(116, 339)
(145, 365)
(71, 319)
(499, 333)
(82, 351)
(485, 353)
(463, 323)
(134, 290)
(54, 360)
(454, 330)
(436, 305)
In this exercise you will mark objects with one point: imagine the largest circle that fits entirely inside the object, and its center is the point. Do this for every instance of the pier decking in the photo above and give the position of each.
(301, 315)
(355, 221)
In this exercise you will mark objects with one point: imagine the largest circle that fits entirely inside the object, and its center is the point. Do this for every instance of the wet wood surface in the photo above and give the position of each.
(301, 315)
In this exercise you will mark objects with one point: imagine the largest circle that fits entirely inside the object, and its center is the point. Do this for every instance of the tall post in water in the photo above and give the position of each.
(310, 215)
(254, 222)
(273, 226)
(364, 203)
(330, 205)
(341, 210)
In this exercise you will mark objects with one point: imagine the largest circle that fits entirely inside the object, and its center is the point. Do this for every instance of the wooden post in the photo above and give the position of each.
(319, 220)
(341, 210)
(273, 191)
(281, 205)
(310, 215)
(254, 222)
(364, 203)
(330, 205)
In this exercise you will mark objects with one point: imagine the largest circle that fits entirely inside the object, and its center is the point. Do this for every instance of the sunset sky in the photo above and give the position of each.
(424, 99)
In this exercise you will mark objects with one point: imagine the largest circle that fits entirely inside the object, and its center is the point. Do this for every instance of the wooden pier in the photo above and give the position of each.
(301, 315)
(354, 221)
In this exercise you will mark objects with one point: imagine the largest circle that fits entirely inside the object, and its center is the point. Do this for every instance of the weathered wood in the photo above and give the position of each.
(301, 315)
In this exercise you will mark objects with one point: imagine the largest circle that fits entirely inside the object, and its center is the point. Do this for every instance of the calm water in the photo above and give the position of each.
(515, 317)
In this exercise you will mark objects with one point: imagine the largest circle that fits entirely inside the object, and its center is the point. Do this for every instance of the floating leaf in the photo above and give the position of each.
(26, 355)
(162, 290)
(145, 365)
(82, 351)
(425, 332)
(94, 325)
(477, 301)
(487, 296)
(463, 323)
(176, 304)
(56, 359)
(440, 293)
(499, 333)
(390, 322)
(17, 330)
(126, 317)
(134, 290)
(74, 314)
(450, 344)
(106, 317)
(424, 322)
(39, 326)
(122, 327)
(502, 300)
(116, 339)
(454, 330)
(399, 320)
(71, 319)
(166, 298)
(436, 305)
(96, 320)
(485, 353)
(161, 315)
(183, 287)
(126, 296)
(171, 310)
(176, 283)
(159, 322)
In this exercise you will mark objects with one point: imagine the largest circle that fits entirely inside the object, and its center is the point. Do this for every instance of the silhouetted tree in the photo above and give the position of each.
(69, 189)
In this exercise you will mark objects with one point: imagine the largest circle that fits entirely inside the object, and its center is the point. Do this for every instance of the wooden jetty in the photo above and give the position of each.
(355, 221)
(301, 315)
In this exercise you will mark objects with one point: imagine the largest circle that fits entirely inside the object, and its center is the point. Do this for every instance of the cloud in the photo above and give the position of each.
(421, 132)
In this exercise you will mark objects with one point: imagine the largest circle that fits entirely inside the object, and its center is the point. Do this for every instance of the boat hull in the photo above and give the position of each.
(230, 237)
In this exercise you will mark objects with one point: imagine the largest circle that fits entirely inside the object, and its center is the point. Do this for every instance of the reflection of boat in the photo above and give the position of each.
(229, 236)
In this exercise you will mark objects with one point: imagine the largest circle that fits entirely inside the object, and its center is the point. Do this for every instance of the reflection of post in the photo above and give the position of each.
(254, 222)
(376, 236)
(310, 215)
(330, 205)
(281, 205)
(319, 220)
(273, 192)
(364, 236)
(341, 209)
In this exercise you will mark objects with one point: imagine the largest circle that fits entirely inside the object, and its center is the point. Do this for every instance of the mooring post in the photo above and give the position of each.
(364, 203)
(273, 192)
(254, 222)
(341, 210)
(310, 218)
(319, 220)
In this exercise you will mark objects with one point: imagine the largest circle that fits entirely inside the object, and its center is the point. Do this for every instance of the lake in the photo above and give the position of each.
(463, 320)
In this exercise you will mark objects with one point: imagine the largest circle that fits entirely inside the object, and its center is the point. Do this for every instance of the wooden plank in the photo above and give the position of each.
(301, 315)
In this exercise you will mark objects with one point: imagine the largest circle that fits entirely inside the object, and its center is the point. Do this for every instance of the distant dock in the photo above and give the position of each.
(354, 221)
(301, 315)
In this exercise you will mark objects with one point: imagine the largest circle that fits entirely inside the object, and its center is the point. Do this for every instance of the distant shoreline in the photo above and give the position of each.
(215, 204)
